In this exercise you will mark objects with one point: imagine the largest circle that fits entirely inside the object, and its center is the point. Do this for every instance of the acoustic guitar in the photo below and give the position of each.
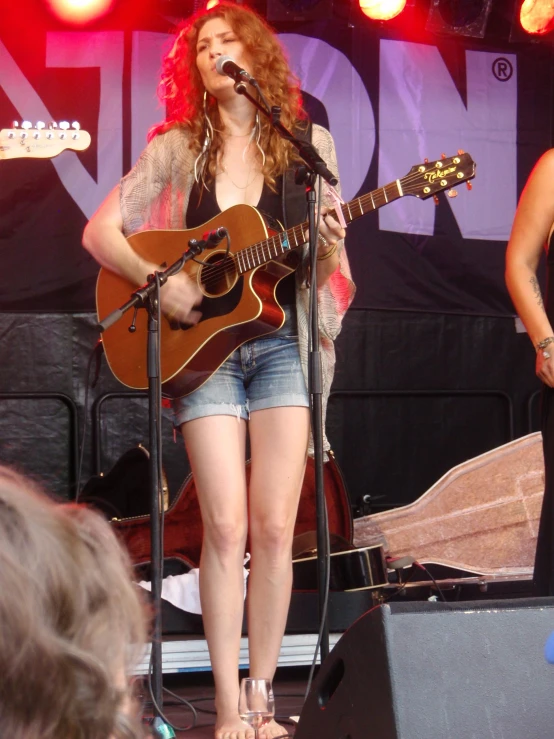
(239, 301)
(21, 142)
(354, 569)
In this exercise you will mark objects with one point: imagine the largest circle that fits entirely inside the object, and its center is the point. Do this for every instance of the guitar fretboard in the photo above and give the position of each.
(264, 251)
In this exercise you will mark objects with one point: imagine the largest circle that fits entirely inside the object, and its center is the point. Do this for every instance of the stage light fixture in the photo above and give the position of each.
(459, 17)
(79, 12)
(382, 10)
(537, 16)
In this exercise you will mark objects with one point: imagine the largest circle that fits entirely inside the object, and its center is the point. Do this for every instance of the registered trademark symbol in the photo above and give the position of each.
(502, 69)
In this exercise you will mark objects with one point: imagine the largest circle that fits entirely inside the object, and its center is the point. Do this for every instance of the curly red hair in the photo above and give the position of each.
(182, 90)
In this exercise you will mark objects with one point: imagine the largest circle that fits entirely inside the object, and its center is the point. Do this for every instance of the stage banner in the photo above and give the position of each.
(391, 101)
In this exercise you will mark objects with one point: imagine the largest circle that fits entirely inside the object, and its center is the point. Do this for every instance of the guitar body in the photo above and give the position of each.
(235, 307)
(239, 301)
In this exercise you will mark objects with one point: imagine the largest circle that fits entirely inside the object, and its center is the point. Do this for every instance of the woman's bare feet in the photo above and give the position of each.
(272, 730)
(232, 727)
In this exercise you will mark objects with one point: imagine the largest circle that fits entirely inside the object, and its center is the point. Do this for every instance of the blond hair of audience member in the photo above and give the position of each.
(71, 620)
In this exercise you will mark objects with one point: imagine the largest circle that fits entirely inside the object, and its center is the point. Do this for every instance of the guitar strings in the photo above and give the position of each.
(257, 252)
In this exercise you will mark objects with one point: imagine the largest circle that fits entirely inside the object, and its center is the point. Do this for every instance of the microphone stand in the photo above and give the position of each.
(314, 166)
(148, 297)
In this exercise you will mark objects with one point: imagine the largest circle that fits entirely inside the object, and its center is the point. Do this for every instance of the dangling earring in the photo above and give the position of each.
(256, 135)
(202, 159)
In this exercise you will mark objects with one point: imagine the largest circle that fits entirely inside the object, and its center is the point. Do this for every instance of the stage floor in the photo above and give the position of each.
(289, 687)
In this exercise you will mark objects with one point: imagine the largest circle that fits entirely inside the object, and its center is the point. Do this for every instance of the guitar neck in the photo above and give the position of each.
(293, 238)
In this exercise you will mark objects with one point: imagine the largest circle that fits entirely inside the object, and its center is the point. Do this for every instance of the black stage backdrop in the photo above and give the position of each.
(392, 95)
(430, 369)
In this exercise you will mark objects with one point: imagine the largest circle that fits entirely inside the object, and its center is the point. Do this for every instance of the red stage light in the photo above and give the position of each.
(537, 16)
(80, 11)
(382, 10)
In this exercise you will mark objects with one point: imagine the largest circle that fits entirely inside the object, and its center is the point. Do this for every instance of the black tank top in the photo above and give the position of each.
(202, 209)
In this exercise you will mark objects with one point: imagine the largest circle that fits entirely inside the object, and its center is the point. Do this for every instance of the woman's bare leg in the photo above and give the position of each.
(216, 449)
(279, 440)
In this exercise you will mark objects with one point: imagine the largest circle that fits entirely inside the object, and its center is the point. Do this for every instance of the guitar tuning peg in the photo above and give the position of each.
(460, 152)
(469, 185)
(443, 156)
(15, 124)
(76, 125)
(52, 124)
(26, 125)
(40, 125)
(452, 193)
(64, 125)
(436, 199)
(426, 161)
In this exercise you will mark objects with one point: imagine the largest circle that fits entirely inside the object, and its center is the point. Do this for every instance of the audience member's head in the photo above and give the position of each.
(71, 622)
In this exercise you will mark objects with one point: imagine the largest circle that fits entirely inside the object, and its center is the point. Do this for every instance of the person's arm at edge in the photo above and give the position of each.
(530, 231)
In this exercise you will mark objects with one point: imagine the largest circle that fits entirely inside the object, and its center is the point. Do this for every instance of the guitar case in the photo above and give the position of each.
(128, 512)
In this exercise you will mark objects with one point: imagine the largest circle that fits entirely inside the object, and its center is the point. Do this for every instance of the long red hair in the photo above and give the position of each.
(182, 90)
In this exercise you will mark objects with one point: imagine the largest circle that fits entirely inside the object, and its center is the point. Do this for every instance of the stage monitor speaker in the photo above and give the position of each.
(438, 671)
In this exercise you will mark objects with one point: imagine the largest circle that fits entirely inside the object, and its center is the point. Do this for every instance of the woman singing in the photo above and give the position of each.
(212, 152)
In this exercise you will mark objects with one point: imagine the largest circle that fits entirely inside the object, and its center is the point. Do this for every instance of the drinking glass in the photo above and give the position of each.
(256, 702)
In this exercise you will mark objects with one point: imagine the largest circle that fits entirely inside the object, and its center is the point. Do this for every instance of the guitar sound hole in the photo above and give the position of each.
(219, 276)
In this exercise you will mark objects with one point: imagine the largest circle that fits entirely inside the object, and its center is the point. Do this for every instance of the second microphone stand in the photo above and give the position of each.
(315, 166)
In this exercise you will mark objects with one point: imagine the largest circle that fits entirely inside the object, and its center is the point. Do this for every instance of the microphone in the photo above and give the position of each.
(229, 68)
(213, 238)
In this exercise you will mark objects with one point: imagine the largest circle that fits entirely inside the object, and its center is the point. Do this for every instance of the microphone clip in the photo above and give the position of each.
(209, 240)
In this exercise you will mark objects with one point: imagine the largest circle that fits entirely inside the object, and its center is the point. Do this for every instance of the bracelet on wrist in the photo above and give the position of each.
(544, 343)
(329, 253)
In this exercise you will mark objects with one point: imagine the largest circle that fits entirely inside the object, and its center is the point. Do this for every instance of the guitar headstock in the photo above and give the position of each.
(41, 142)
(428, 179)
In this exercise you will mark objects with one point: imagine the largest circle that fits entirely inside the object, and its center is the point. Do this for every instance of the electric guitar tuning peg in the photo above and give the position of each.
(76, 125)
(15, 124)
(469, 185)
(436, 199)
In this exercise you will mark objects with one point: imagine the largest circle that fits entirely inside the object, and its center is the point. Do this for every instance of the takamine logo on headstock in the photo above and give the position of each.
(429, 178)
(41, 142)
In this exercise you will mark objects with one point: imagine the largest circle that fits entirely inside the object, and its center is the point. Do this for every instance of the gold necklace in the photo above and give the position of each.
(248, 183)
(237, 135)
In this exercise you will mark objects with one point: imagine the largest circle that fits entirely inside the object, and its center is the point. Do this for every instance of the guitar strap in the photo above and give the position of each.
(294, 204)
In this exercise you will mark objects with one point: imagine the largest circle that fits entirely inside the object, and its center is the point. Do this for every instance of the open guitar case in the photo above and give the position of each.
(122, 495)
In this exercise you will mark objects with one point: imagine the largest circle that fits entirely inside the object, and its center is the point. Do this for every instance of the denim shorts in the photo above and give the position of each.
(263, 373)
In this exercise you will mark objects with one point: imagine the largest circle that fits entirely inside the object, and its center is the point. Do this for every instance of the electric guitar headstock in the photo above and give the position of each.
(428, 179)
(41, 142)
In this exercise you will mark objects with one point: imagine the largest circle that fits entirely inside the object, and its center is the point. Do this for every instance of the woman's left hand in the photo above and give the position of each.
(330, 231)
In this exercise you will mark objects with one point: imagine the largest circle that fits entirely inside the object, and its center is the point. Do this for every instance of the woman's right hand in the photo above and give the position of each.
(178, 297)
(545, 365)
